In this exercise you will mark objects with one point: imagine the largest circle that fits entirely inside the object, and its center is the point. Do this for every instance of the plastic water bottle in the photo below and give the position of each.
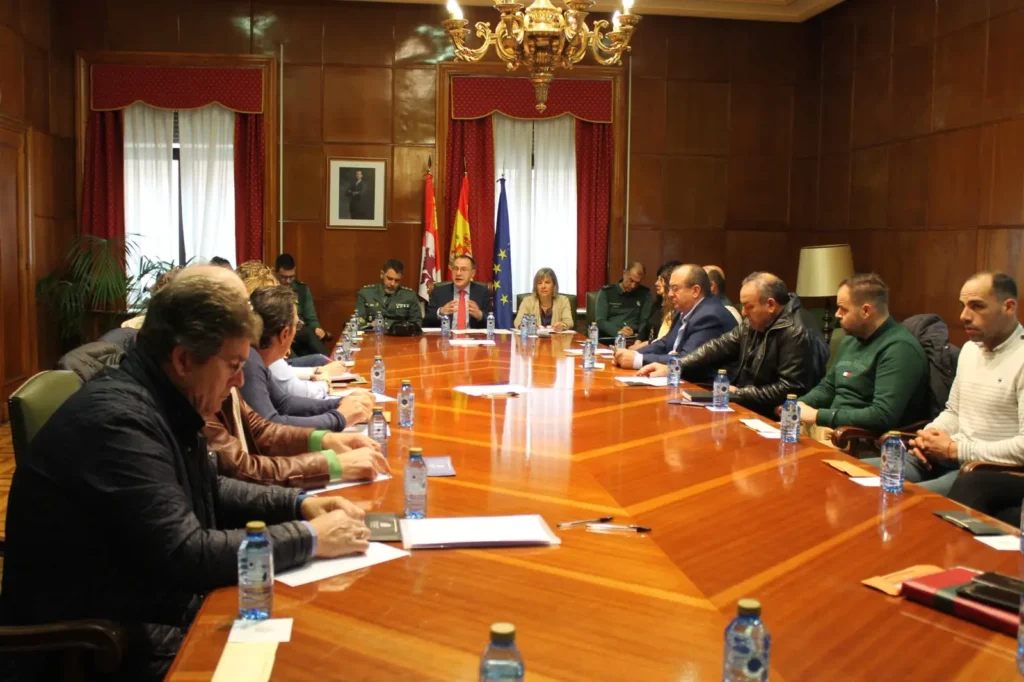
(620, 342)
(675, 371)
(415, 485)
(346, 348)
(490, 325)
(589, 356)
(790, 419)
(339, 350)
(720, 393)
(255, 573)
(406, 404)
(593, 334)
(746, 645)
(353, 332)
(533, 325)
(446, 326)
(378, 324)
(524, 328)
(379, 429)
(377, 375)
(894, 463)
(501, 659)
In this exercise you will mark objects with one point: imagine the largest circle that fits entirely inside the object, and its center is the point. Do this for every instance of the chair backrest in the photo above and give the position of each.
(572, 304)
(591, 307)
(32, 405)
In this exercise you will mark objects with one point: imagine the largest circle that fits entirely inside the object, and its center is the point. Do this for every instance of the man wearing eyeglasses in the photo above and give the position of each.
(466, 302)
(625, 307)
(308, 340)
(699, 318)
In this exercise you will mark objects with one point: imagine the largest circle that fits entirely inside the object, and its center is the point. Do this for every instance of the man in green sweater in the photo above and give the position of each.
(879, 380)
(308, 340)
(624, 307)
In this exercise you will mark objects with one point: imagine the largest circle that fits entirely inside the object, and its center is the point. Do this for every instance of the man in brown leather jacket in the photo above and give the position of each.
(251, 448)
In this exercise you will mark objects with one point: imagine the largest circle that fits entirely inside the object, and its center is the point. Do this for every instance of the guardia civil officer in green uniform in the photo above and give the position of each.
(625, 307)
(393, 301)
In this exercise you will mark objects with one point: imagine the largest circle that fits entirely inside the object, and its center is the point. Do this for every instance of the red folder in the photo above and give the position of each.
(939, 592)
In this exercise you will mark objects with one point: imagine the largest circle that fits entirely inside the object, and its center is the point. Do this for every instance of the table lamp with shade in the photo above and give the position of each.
(822, 270)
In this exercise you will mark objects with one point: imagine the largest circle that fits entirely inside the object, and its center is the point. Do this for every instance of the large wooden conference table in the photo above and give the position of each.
(730, 519)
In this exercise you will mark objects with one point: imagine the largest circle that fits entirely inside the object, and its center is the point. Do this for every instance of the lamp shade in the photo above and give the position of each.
(822, 269)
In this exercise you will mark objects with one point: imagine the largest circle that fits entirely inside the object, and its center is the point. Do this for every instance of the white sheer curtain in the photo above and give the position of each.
(541, 196)
(208, 182)
(150, 188)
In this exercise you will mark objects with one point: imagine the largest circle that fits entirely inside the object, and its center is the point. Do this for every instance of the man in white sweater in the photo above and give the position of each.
(984, 418)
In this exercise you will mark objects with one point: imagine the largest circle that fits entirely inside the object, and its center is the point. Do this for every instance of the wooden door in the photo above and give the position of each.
(17, 290)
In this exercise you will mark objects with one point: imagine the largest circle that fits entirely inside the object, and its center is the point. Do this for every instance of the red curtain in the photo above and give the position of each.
(470, 149)
(103, 182)
(595, 156)
(476, 97)
(249, 156)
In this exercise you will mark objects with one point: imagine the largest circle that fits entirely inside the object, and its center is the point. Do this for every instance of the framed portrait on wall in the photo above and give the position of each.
(355, 193)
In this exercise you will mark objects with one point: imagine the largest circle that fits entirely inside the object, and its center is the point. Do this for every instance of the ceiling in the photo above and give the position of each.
(757, 10)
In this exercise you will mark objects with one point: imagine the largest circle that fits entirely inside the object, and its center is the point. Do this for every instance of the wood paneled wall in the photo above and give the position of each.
(36, 87)
(922, 156)
(724, 141)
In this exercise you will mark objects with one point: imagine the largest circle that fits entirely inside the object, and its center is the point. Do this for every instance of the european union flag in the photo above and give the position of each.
(502, 265)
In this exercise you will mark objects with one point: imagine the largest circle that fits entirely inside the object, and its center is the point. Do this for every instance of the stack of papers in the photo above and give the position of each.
(439, 466)
(643, 381)
(346, 484)
(472, 342)
(492, 390)
(477, 531)
(320, 569)
(378, 397)
(763, 429)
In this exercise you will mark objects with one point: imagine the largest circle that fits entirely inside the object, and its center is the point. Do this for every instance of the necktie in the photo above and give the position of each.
(461, 324)
(679, 336)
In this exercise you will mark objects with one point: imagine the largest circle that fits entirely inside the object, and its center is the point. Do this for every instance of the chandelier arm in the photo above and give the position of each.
(578, 48)
(599, 49)
(500, 35)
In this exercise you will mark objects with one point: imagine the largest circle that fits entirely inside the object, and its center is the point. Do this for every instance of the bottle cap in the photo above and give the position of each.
(892, 434)
(378, 410)
(791, 396)
(503, 633)
(407, 382)
(415, 451)
(749, 607)
(377, 357)
(255, 527)
(722, 371)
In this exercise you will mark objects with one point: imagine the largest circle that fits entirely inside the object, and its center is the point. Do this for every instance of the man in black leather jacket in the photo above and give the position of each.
(772, 352)
(118, 512)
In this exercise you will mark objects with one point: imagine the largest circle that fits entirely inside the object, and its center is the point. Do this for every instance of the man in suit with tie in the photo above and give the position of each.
(467, 302)
(361, 197)
(699, 318)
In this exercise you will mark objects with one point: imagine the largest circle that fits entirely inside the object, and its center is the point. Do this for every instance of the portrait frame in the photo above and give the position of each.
(350, 207)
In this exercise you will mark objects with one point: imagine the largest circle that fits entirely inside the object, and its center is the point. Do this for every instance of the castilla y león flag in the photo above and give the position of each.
(429, 274)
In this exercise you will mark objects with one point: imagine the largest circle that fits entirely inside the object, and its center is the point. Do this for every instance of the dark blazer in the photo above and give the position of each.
(266, 397)
(708, 321)
(444, 293)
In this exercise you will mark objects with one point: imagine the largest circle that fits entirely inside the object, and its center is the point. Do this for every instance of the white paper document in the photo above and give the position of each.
(867, 481)
(472, 342)
(270, 630)
(477, 531)
(346, 484)
(249, 661)
(763, 429)
(643, 381)
(1004, 543)
(597, 365)
(712, 408)
(321, 569)
(342, 378)
(492, 390)
(427, 330)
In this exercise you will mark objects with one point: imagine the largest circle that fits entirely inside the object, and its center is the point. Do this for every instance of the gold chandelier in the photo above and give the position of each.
(544, 38)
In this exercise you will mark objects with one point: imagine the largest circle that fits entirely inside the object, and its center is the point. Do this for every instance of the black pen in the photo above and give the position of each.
(611, 527)
(570, 524)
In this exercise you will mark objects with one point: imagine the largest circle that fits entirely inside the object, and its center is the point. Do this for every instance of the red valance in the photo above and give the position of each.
(477, 97)
(116, 86)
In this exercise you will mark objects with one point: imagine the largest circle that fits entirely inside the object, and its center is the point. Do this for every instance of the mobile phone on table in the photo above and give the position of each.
(1001, 581)
(992, 596)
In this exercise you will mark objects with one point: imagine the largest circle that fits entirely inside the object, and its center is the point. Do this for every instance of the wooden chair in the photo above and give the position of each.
(83, 645)
(847, 437)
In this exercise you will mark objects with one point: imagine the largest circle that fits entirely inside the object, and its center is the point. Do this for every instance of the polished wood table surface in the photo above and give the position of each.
(732, 517)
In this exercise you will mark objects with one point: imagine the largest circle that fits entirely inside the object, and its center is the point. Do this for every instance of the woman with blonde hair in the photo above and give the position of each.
(545, 303)
(256, 274)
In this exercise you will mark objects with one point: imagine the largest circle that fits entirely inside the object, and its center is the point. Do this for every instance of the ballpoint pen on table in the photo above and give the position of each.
(510, 394)
(615, 528)
(570, 524)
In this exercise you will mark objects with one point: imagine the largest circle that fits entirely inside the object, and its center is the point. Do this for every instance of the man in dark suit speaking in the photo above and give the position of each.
(468, 302)
(360, 196)
(699, 318)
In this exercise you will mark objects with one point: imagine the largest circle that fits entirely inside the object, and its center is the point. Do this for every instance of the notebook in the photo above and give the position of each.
(939, 592)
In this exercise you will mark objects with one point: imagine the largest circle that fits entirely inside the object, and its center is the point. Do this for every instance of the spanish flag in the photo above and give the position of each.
(461, 244)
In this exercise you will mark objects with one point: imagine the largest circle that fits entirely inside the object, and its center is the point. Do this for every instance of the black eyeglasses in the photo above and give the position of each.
(299, 325)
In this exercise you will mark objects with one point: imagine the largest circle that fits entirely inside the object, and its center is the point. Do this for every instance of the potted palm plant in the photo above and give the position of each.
(93, 288)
